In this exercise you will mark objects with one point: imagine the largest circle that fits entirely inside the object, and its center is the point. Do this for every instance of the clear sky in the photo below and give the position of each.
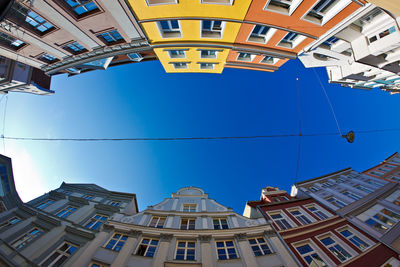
(141, 100)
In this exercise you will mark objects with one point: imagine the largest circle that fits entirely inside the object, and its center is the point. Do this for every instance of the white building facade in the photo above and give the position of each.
(188, 229)
(363, 51)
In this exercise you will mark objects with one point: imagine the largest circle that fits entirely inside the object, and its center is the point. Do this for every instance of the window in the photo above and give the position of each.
(311, 257)
(26, 238)
(65, 212)
(314, 189)
(226, 250)
(169, 28)
(211, 28)
(335, 248)
(285, 198)
(82, 7)
(157, 222)
(117, 242)
(331, 41)
(383, 220)
(351, 195)
(277, 199)
(207, 66)
(363, 188)
(382, 34)
(318, 12)
(283, 6)
(74, 47)
(185, 250)
(280, 221)
(220, 223)
(96, 221)
(135, 57)
(189, 207)
(47, 58)
(147, 247)
(327, 184)
(259, 246)
(110, 37)
(188, 224)
(347, 233)
(245, 57)
(290, 40)
(11, 221)
(180, 65)
(270, 60)
(259, 34)
(97, 265)
(300, 217)
(376, 173)
(10, 42)
(176, 53)
(160, 2)
(59, 256)
(115, 203)
(339, 204)
(45, 204)
(38, 22)
(375, 183)
(208, 53)
(220, 2)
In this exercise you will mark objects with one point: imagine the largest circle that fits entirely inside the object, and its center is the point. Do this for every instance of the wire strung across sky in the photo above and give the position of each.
(190, 138)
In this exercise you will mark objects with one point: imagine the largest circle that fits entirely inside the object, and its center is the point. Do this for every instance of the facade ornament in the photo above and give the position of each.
(205, 238)
(166, 237)
(135, 233)
(241, 237)
(270, 232)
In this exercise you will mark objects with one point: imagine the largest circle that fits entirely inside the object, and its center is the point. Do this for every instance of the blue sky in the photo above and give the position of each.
(141, 100)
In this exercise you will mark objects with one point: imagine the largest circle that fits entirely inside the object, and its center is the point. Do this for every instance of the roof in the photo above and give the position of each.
(323, 176)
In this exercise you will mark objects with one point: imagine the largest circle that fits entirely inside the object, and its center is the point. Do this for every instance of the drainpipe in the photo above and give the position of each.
(279, 236)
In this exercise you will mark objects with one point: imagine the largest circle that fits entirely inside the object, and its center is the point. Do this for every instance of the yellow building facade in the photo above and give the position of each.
(191, 36)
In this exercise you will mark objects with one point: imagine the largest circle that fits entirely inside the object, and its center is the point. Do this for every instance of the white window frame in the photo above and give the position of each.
(364, 189)
(157, 223)
(209, 56)
(377, 210)
(274, 60)
(122, 238)
(337, 242)
(178, 55)
(218, 2)
(95, 221)
(188, 223)
(210, 65)
(220, 224)
(351, 195)
(291, 44)
(252, 57)
(225, 247)
(289, 11)
(61, 253)
(211, 34)
(160, 2)
(185, 248)
(188, 207)
(355, 233)
(318, 211)
(315, 250)
(257, 36)
(171, 33)
(332, 11)
(148, 245)
(27, 238)
(299, 217)
(259, 246)
(182, 67)
(336, 201)
(284, 217)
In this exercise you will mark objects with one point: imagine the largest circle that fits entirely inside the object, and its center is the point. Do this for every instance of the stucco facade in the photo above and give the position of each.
(189, 229)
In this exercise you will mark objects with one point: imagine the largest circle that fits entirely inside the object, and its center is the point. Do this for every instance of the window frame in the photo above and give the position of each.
(315, 250)
(188, 207)
(337, 242)
(147, 247)
(212, 33)
(94, 221)
(302, 217)
(30, 238)
(171, 32)
(121, 239)
(100, 36)
(10, 222)
(68, 210)
(156, 224)
(188, 224)
(357, 234)
(70, 10)
(284, 218)
(46, 203)
(226, 248)
(259, 245)
(61, 253)
(220, 225)
(185, 248)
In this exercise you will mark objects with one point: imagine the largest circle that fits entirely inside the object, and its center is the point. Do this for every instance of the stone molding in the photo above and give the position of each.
(241, 236)
(205, 238)
(166, 237)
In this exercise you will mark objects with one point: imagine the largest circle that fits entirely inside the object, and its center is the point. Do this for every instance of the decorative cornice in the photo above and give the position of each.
(101, 206)
(79, 232)
(205, 238)
(241, 236)
(78, 200)
(270, 233)
(48, 219)
(166, 237)
(56, 195)
(27, 209)
(108, 227)
(135, 233)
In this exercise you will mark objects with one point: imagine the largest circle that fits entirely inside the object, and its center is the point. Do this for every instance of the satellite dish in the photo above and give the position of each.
(349, 136)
